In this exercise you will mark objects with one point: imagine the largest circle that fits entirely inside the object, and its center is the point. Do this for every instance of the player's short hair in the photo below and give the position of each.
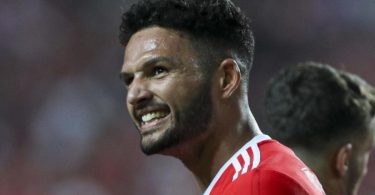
(218, 23)
(311, 105)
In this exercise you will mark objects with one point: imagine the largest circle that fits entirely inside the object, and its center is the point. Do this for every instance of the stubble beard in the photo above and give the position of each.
(190, 123)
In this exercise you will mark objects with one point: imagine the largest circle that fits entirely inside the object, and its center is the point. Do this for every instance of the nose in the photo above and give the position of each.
(138, 93)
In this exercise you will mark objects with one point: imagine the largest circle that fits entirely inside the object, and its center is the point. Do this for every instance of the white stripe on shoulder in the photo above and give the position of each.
(253, 143)
(237, 168)
(256, 156)
(246, 158)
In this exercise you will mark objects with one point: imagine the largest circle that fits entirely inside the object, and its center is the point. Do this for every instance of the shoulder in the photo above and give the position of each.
(270, 182)
(264, 167)
(281, 169)
(280, 172)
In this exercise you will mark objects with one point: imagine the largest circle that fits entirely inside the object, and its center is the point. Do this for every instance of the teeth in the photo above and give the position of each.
(153, 115)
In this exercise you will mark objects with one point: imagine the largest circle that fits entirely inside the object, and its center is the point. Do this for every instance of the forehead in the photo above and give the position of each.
(157, 41)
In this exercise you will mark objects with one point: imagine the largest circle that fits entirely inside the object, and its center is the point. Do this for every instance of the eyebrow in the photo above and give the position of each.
(150, 61)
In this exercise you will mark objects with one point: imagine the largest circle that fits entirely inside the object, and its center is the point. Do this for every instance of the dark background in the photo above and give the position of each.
(64, 129)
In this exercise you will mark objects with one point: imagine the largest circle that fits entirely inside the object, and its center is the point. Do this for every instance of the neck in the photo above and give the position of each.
(213, 154)
(207, 154)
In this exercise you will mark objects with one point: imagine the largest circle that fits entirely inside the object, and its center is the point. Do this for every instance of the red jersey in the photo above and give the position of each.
(264, 167)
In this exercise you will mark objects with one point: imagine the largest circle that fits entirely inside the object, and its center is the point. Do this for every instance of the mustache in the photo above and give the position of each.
(145, 104)
(148, 106)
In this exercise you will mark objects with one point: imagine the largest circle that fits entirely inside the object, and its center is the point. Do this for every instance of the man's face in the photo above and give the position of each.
(168, 94)
(359, 161)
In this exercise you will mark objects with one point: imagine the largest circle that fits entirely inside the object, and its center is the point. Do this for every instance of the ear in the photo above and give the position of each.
(230, 77)
(343, 158)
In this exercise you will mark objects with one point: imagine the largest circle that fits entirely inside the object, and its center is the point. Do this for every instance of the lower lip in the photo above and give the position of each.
(153, 125)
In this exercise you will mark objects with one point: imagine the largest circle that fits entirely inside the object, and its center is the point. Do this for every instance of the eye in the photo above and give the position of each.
(158, 70)
(127, 79)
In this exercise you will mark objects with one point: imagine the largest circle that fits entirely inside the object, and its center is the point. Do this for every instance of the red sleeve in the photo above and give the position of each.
(270, 182)
(266, 182)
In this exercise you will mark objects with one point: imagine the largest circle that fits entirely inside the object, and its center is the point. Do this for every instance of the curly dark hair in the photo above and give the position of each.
(217, 22)
(311, 105)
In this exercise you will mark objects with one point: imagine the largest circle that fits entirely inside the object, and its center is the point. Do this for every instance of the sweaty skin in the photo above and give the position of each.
(167, 82)
(181, 110)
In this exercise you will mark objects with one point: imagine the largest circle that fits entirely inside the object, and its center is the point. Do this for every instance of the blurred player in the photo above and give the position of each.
(186, 68)
(327, 117)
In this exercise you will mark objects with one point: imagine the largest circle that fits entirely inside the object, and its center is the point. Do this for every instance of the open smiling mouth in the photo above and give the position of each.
(153, 116)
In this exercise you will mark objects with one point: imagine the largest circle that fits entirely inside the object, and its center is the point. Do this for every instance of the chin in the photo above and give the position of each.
(170, 142)
(150, 149)
(151, 146)
(158, 141)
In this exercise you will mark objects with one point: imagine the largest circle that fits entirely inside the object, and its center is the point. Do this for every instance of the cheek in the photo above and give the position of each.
(180, 89)
(129, 108)
(130, 111)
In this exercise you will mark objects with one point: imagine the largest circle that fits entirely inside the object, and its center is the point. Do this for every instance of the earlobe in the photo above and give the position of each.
(342, 159)
(230, 77)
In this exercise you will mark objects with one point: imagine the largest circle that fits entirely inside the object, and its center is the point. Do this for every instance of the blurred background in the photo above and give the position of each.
(64, 129)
